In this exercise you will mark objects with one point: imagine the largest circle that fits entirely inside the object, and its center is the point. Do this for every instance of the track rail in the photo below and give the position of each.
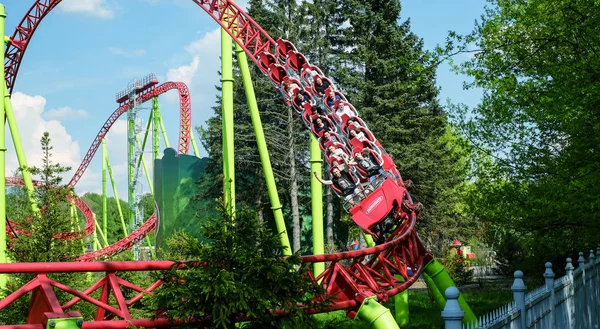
(350, 277)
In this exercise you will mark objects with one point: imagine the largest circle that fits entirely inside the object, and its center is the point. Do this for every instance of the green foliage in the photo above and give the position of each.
(244, 275)
(458, 269)
(42, 243)
(536, 129)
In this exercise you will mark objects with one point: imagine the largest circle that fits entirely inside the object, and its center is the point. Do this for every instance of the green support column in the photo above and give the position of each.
(162, 128)
(376, 315)
(155, 126)
(104, 205)
(146, 133)
(3, 277)
(114, 186)
(143, 161)
(262, 150)
(131, 167)
(442, 281)
(14, 132)
(316, 192)
(227, 119)
(193, 139)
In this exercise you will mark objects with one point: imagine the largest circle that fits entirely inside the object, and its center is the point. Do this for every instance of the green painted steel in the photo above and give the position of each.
(227, 118)
(3, 277)
(143, 145)
(114, 186)
(104, 205)
(65, 323)
(99, 230)
(155, 126)
(316, 192)
(14, 133)
(175, 189)
(143, 161)
(263, 152)
(442, 281)
(131, 167)
(438, 297)
(401, 312)
(162, 128)
(376, 315)
(194, 145)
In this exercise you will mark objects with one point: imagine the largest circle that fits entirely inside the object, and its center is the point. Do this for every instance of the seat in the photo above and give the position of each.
(296, 61)
(265, 60)
(283, 48)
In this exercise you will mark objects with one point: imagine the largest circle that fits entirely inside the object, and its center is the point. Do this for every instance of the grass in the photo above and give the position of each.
(424, 314)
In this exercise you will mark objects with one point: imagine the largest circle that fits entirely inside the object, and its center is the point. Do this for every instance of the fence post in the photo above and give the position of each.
(519, 289)
(597, 284)
(452, 312)
(571, 293)
(583, 319)
(549, 279)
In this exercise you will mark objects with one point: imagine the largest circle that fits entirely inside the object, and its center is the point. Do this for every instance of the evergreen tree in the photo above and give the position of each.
(392, 86)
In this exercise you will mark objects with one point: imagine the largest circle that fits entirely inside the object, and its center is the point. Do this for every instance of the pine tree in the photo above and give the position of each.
(392, 86)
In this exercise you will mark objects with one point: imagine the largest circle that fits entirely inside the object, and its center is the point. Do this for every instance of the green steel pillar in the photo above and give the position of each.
(262, 150)
(114, 186)
(227, 119)
(376, 315)
(3, 277)
(104, 205)
(131, 167)
(143, 160)
(162, 128)
(442, 281)
(146, 133)
(155, 126)
(14, 132)
(316, 192)
(193, 139)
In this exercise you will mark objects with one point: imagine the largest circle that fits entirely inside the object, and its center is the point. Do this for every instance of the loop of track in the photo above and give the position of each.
(370, 271)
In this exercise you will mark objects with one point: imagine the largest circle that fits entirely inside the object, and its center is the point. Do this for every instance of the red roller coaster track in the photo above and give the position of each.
(349, 284)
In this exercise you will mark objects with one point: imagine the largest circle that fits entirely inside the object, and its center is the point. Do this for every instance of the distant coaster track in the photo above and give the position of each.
(350, 277)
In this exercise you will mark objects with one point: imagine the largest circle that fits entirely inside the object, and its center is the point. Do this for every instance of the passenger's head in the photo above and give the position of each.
(331, 94)
(352, 133)
(319, 122)
(336, 172)
(327, 135)
(319, 80)
(358, 156)
(330, 148)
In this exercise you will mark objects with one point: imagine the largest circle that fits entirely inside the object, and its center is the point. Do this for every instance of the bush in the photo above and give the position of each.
(458, 269)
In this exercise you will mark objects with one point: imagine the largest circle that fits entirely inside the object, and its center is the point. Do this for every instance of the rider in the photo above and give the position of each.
(367, 162)
(342, 182)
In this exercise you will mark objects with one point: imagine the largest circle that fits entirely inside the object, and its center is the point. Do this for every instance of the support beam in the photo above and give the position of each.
(104, 205)
(4, 96)
(155, 126)
(164, 131)
(146, 133)
(131, 166)
(193, 139)
(263, 151)
(14, 133)
(143, 160)
(376, 315)
(316, 192)
(227, 119)
(114, 186)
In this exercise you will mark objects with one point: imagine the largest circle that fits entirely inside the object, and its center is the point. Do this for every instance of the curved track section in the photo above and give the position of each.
(185, 120)
(79, 204)
(351, 276)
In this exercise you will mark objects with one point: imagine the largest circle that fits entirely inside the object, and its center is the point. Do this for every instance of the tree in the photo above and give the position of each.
(235, 271)
(537, 63)
(38, 234)
(392, 86)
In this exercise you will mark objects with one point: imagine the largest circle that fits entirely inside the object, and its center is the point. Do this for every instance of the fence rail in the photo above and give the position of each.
(569, 302)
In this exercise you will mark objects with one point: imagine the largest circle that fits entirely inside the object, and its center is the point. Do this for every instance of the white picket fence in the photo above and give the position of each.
(570, 302)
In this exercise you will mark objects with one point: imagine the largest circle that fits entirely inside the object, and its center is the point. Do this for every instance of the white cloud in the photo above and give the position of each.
(65, 113)
(184, 73)
(97, 8)
(127, 52)
(30, 110)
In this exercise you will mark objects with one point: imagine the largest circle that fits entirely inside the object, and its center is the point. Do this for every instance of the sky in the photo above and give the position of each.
(85, 51)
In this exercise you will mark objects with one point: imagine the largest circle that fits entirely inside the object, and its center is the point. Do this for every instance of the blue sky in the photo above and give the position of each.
(85, 51)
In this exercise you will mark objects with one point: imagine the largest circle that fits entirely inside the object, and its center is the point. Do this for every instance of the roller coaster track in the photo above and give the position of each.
(350, 277)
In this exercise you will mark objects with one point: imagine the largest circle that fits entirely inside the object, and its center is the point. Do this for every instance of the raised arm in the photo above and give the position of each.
(324, 182)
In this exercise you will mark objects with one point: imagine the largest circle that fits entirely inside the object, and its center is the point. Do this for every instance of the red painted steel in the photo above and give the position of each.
(349, 278)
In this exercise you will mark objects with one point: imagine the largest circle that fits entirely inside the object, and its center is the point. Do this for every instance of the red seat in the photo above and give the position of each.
(300, 109)
(375, 155)
(331, 125)
(322, 78)
(326, 98)
(296, 61)
(323, 143)
(265, 60)
(345, 124)
(283, 48)
(277, 74)
(307, 77)
(345, 117)
(337, 190)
